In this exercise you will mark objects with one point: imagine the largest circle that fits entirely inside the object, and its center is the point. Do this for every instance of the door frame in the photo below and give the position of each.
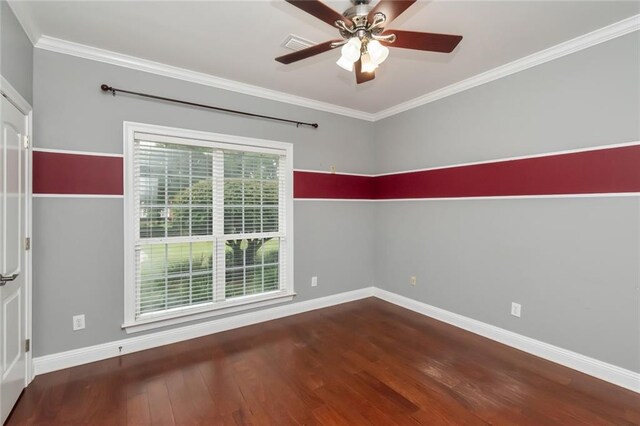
(13, 96)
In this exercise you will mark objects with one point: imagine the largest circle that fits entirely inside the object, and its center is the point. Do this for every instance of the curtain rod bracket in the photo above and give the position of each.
(113, 90)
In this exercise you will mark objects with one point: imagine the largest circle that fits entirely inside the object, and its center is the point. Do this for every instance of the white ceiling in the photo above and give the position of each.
(238, 40)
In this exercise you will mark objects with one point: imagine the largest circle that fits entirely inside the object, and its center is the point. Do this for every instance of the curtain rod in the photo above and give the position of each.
(113, 90)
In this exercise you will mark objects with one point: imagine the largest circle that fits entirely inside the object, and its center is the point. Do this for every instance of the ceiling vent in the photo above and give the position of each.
(294, 42)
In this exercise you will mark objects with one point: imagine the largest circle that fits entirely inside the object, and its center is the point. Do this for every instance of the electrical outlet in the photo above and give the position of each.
(412, 281)
(333, 170)
(515, 309)
(314, 281)
(78, 322)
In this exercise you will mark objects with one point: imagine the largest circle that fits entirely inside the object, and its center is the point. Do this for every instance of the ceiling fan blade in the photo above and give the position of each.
(391, 9)
(363, 77)
(320, 11)
(430, 42)
(306, 53)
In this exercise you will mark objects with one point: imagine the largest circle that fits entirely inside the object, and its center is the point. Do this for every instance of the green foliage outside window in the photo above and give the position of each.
(250, 206)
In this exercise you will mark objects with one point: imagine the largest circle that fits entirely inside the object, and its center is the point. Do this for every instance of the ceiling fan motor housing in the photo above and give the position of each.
(358, 12)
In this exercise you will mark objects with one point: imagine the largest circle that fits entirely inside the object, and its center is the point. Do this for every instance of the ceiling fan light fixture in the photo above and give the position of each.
(345, 63)
(377, 52)
(368, 65)
(351, 50)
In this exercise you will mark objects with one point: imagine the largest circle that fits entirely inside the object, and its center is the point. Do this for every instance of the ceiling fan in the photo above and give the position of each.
(364, 36)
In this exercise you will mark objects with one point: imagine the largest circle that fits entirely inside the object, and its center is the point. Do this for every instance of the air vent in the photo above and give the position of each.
(294, 42)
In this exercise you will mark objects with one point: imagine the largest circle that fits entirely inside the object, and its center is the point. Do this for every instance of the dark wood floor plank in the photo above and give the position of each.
(159, 403)
(86, 387)
(365, 362)
(226, 396)
(350, 405)
(138, 410)
(439, 403)
(326, 415)
(41, 402)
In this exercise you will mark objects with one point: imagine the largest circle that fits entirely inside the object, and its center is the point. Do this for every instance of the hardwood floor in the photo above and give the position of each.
(365, 362)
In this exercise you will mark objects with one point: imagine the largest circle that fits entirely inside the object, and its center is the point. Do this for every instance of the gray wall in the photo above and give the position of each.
(78, 243)
(573, 263)
(16, 53)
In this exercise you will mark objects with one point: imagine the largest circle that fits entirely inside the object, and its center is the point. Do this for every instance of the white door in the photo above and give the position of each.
(13, 261)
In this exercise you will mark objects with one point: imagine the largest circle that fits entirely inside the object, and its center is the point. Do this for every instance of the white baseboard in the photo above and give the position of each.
(72, 358)
(593, 367)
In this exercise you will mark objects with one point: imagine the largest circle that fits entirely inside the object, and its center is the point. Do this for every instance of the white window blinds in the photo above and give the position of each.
(210, 224)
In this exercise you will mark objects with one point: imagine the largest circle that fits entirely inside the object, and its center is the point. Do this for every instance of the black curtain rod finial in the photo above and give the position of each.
(107, 88)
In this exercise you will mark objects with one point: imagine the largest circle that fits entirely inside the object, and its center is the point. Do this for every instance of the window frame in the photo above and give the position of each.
(212, 140)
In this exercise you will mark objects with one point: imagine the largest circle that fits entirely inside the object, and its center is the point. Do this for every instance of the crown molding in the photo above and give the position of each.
(113, 58)
(577, 44)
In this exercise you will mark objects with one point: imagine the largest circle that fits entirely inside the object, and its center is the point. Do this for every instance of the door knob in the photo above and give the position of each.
(6, 279)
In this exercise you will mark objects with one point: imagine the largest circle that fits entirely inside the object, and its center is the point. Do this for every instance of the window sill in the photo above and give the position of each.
(210, 310)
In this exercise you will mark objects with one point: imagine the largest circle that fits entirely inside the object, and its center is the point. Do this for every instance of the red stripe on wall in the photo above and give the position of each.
(324, 185)
(59, 173)
(611, 170)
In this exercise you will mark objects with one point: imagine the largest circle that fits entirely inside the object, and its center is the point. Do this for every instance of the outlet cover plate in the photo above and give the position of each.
(78, 322)
(516, 309)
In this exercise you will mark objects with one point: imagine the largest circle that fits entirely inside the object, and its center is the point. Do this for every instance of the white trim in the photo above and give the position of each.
(593, 367)
(58, 361)
(602, 370)
(516, 197)
(14, 96)
(577, 44)
(131, 132)
(188, 315)
(129, 204)
(131, 127)
(351, 200)
(369, 200)
(76, 196)
(333, 173)
(131, 62)
(213, 141)
(521, 157)
(493, 197)
(30, 369)
(74, 152)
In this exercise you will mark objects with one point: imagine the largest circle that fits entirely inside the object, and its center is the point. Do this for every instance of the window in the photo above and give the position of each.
(208, 224)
